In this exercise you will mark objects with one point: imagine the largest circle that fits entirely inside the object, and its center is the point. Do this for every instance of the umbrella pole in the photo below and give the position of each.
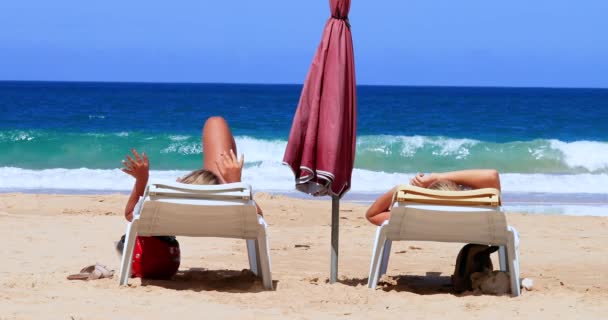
(335, 220)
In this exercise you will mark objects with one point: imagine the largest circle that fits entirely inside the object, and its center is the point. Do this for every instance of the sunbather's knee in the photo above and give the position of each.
(214, 125)
(370, 216)
(214, 121)
(377, 217)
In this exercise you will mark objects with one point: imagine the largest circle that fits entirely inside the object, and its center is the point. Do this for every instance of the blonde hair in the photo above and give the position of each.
(445, 185)
(200, 176)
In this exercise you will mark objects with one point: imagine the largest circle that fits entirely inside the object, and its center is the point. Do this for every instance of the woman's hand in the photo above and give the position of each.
(423, 181)
(229, 167)
(138, 168)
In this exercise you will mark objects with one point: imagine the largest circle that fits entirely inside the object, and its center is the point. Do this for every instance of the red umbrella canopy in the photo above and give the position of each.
(321, 146)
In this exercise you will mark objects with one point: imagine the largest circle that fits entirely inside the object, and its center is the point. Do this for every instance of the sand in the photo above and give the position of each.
(47, 237)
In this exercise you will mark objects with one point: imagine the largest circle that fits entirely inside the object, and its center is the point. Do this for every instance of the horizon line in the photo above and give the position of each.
(300, 84)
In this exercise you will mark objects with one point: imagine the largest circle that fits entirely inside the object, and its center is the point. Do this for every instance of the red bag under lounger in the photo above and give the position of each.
(155, 257)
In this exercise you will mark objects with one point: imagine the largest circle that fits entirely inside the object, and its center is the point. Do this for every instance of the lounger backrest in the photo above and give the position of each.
(195, 210)
(472, 216)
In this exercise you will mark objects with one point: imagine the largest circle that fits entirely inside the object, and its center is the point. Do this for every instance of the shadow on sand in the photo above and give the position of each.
(198, 279)
(432, 283)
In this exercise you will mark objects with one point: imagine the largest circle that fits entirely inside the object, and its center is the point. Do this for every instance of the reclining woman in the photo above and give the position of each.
(159, 256)
(380, 210)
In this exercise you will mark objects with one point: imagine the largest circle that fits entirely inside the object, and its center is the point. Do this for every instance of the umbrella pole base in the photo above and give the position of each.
(335, 228)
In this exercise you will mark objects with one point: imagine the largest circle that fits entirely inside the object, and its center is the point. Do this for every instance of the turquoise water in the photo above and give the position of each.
(43, 149)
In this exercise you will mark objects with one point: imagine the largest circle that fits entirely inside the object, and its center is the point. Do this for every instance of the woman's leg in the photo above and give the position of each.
(217, 139)
(380, 210)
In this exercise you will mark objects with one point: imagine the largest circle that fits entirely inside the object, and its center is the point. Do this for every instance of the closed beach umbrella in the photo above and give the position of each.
(321, 146)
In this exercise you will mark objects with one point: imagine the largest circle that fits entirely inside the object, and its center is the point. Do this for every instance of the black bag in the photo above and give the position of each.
(471, 258)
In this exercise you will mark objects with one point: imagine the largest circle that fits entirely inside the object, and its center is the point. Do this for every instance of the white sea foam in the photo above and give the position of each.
(591, 155)
(73, 179)
(408, 146)
(365, 181)
(183, 148)
(23, 137)
(411, 144)
(559, 209)
(367, 184)
(555, 183)
(456, 147)
(256, 150)
(178, 138)
(17, 136)
(278, 178)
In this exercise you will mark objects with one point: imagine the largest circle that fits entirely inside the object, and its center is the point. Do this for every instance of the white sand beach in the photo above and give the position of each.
(48, 237)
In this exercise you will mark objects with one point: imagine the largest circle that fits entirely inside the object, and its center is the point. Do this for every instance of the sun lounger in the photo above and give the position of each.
(472, 216)
(176, 209)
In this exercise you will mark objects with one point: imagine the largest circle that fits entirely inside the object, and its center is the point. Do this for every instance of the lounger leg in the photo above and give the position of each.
(386, 252)
(264, 259)
(374, 268)
(502, 258)
(258, 257)
(513, 256)
(127, 253)
(252, 253)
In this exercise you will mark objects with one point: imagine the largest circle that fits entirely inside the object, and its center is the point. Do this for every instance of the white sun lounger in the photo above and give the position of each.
(472, 216)
(177, 209)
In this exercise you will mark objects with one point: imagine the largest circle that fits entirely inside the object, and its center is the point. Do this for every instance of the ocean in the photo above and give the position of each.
(550, 145)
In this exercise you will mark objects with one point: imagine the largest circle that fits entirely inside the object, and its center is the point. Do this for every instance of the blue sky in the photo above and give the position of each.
(400, 42)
